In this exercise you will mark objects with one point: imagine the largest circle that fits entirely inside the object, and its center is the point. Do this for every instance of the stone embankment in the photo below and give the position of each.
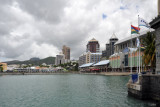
(147, 88)
(74, 72)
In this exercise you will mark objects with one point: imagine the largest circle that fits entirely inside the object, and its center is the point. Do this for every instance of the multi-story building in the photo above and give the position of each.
(4, 66)
(126, 55)
(89, 57)
(155, 23)
(66, 52)
(110, 47)
(82, 59)
(93, 46)
(60, 59)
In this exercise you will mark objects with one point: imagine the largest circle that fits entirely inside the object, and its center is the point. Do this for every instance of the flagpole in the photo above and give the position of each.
(137, 54)
(131, 52)
(139, 44)
(137, 48)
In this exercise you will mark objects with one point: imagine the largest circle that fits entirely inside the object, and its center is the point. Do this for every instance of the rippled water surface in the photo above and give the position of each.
(72, 90)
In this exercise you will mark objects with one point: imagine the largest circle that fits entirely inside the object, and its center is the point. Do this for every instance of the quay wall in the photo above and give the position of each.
(52, 73)
(148, 88)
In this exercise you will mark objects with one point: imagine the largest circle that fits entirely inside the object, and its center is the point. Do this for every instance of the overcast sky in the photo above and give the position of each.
(39, 28)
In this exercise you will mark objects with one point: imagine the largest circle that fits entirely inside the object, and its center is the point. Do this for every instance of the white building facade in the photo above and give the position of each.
(89, 57)
(60, 59)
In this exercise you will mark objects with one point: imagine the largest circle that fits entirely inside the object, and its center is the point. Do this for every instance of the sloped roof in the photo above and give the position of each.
(86, 65)
(113, 36)
(133, 36)
(93, 40)
(104, 62)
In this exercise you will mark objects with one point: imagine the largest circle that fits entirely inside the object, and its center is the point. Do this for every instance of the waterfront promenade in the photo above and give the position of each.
(55, 73)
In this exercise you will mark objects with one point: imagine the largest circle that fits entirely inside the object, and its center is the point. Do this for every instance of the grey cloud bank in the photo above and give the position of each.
(40, 27)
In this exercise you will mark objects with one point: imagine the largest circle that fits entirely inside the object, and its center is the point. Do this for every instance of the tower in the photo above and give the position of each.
(93, 46)
(66, 52)
(113, 40)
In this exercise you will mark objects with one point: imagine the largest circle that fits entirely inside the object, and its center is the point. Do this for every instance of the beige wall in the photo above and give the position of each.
(4, 65)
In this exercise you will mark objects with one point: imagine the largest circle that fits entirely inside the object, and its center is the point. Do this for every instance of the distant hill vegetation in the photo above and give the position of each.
(34, 61)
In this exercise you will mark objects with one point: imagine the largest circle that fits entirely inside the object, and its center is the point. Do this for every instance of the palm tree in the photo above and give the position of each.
(149, 57)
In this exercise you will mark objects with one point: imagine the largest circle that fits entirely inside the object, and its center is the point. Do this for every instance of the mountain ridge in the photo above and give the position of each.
(47, 60)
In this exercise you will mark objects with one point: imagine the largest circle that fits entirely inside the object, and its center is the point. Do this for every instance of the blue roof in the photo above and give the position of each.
(104, 62)
(86, 65)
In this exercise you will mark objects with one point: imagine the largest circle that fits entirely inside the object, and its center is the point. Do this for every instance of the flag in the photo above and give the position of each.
(104, 16)
(142, 22)
(138, 42)
(134, 29)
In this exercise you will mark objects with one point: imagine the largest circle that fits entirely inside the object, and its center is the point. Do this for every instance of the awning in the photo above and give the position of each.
(104, 62)
(86, 65)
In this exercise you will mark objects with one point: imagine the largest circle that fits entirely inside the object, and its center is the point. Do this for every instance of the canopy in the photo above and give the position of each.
(104, 62)
(86, 65)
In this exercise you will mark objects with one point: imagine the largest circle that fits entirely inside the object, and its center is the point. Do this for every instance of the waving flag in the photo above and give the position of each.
(142, 22)
(138, 42)
(104, 16)
(134, 29)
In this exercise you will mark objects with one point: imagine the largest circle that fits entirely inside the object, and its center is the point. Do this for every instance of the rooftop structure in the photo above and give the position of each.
(93, 46)
(126, 42)
(110, 46)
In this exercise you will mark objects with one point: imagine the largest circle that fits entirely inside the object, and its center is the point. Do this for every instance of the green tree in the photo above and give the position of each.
(149, 57)
(76, 67)
(1, 68)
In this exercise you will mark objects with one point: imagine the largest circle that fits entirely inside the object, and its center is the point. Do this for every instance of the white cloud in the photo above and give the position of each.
(40, 28)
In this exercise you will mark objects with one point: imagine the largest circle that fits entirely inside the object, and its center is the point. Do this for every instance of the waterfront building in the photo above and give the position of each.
(110, 47)
(44, 64)
(66, 52)
(89, 57)
(117, 61)
(102, 66)
(123, 53)
(60, 59)
(4, 66)
(82, 59)
(13, 66)
(93, 46)
(85, 67)
(155, 24)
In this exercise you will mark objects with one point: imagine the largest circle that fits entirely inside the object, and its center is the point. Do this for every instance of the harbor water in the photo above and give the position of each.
(68, 90)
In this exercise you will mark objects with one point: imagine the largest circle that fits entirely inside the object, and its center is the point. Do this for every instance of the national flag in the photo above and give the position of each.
(134, 29)
(142, 22)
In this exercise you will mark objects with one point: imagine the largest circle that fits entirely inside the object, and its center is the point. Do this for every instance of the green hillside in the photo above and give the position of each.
(48, 60)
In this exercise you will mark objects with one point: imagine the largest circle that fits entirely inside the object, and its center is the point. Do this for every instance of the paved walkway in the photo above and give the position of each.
(115, 73)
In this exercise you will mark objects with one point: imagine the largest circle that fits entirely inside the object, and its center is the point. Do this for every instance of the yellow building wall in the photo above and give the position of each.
(4, 65)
